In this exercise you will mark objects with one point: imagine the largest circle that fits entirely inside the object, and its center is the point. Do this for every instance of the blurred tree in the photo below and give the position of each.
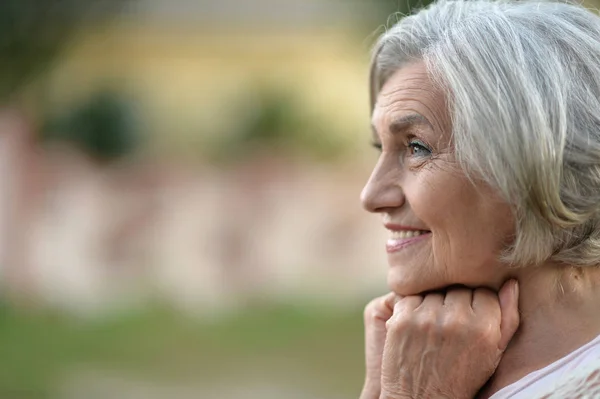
(278, 123)
(103, 126)
(32, 33)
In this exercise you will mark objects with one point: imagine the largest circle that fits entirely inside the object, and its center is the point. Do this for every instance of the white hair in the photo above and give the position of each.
(523, 86)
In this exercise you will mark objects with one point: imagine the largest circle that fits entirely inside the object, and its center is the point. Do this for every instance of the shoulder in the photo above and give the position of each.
(581, 383)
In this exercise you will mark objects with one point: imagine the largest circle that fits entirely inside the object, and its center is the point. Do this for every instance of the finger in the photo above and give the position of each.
(509, 309)
(485, 302)
(379, 310)
(406, 305)
(433, 300)
(458, 298)
(391, 299)
(376, 314)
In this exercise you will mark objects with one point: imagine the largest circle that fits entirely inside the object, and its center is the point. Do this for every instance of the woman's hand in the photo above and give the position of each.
(376, 314)
(446, 345)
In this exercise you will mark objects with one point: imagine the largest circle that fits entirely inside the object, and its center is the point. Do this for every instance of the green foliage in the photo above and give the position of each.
(272, 119)
(104, 126)
(32, 33)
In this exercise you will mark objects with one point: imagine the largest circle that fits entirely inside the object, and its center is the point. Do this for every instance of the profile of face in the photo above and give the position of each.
(444, 229)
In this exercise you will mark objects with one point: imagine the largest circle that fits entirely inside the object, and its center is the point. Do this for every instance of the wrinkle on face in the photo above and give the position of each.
(468, 223)
(415, 93)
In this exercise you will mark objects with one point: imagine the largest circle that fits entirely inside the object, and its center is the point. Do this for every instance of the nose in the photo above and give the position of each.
(383, 190)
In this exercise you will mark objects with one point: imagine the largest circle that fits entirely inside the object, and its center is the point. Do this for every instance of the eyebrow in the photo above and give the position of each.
(402, 123)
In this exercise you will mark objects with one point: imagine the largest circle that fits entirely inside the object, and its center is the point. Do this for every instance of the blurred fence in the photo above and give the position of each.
(196, 236)
(166, 155)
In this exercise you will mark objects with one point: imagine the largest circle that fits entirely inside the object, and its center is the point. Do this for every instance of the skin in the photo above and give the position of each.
(444, 332)
(424, 337)
(425, 189)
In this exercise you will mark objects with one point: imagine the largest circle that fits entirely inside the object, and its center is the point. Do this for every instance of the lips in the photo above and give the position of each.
(402, 238)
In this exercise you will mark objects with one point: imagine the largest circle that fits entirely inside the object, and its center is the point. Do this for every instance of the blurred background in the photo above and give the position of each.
(179, 197)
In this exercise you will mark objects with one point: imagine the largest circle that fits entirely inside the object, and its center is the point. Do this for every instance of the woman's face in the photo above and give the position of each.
(444, 230)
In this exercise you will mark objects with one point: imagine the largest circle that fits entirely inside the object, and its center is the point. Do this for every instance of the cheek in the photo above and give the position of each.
(433, 201)
(468, 226)
(438, 200)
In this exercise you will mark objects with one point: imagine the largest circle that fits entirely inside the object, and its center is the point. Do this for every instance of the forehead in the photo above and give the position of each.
(408, 91)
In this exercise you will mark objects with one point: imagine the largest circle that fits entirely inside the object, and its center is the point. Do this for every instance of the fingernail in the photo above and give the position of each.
(516, 289)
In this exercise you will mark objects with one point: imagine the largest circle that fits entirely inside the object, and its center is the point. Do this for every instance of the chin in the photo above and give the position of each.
(402, 285)
(414, 284)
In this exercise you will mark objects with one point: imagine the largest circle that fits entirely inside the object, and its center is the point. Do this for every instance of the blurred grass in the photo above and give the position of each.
(293, 346)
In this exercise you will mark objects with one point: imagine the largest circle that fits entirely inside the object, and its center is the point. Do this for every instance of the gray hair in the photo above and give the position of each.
(523, 86)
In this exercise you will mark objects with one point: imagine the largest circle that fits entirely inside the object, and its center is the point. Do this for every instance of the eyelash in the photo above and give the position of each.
(411, 145)
(418, 144)
(376, 145)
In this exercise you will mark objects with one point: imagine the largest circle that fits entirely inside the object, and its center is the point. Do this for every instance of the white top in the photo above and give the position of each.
(545, 380)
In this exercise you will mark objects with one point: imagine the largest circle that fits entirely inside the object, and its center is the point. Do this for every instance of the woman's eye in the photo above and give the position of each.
(418, 149)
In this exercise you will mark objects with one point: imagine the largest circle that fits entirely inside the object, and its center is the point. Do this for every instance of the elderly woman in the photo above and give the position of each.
(487, 116)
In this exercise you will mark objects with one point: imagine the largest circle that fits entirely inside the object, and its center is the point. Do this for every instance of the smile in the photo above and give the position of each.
(403, 238)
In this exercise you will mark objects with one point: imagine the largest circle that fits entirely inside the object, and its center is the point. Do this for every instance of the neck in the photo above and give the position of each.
(559, 314)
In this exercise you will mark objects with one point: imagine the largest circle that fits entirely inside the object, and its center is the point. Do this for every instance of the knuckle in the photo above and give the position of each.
(427, 320)
(454, 321)
(369, 310)
(373, 311)
(397, 324)
(487, 330)
(485, 333)
(392, 326)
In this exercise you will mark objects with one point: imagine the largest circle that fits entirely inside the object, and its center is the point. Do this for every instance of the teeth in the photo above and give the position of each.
(406, 234)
